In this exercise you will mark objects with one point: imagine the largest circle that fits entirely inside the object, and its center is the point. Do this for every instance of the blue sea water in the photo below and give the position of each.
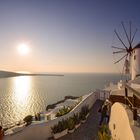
(24, 95)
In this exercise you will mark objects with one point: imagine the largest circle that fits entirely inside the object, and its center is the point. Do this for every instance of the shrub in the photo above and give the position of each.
(28, 119)
(76, 118)
(84, 112)
(63, 111)
(82, 116)
(55, 129)
(62, 125)
(104, 133)
(71, 123)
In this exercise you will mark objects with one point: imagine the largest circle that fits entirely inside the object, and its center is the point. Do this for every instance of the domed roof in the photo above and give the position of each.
(137, 46)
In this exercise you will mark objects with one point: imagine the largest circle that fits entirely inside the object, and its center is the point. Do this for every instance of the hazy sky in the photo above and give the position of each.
(63, 35)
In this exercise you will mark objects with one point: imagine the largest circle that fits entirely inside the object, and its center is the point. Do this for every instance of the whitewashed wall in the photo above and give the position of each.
(135, 63)
(43, 131)
(119, 123)
(102, 94)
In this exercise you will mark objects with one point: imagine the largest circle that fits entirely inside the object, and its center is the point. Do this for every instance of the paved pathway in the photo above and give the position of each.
(88, 130)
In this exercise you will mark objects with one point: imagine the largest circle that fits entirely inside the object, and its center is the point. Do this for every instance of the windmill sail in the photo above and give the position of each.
(127, 47)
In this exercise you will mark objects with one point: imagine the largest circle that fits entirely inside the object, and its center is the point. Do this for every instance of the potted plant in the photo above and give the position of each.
(71, 125)
(82, 117)
(76, 118)
(60, 129)
(63, 111)
(104, 133)
(86, 109)
(84, 114)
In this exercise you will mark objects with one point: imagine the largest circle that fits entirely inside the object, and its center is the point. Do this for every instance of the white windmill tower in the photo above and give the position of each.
(131, 53)
(135, 62)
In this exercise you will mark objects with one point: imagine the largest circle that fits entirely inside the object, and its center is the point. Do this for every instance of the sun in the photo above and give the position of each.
(23, 49)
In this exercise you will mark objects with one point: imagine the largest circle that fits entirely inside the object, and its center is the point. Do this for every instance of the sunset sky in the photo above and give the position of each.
(63, 35)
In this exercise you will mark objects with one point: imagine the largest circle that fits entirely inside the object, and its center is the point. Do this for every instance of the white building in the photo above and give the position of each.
(135, 62)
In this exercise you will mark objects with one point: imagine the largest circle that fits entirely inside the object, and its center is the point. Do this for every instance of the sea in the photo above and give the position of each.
(27, 95)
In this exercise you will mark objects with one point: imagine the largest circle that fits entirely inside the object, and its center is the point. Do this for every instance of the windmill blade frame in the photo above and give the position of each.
(120, 59)
(126, 33)
(118, 48)
(134, 35)
(123, 67)
(120, 39)
(124, 52)
(130, 30)
(119, 52)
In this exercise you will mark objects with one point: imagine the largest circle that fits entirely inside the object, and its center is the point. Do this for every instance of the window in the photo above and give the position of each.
(134, 57)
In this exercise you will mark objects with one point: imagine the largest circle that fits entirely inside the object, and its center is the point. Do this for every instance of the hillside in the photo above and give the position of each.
(4, 74)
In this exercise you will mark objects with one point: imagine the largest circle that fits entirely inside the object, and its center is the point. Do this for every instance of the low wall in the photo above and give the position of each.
(43, 131)
(102, 94)
(119, 123)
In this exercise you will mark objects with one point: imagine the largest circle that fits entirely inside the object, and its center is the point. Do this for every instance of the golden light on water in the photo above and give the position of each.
(22, 96)
(22, 86)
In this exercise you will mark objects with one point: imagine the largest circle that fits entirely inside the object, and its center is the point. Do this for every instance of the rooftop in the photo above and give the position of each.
(137, 46)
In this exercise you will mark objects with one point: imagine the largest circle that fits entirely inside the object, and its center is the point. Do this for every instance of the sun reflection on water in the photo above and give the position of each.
(22, 86)
(22, 95)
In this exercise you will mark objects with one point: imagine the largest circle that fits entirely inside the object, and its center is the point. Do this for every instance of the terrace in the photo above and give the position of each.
(86, 130)
(127, 104)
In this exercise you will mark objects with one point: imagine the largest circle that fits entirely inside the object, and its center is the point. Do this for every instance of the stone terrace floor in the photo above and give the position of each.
(88, 130)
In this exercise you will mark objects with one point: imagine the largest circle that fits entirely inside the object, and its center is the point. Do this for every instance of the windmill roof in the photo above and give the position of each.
(137, 46)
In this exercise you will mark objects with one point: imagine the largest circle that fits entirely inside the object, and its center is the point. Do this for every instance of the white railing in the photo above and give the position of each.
(102, 94)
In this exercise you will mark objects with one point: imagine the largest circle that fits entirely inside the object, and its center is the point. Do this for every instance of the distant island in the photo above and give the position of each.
(4, 74)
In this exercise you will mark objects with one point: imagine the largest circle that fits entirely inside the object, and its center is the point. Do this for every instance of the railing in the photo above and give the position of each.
(133, 101)
(133, 104)
(102, 94)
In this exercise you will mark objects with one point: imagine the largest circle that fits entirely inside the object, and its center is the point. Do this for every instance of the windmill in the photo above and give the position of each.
(127, 46)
